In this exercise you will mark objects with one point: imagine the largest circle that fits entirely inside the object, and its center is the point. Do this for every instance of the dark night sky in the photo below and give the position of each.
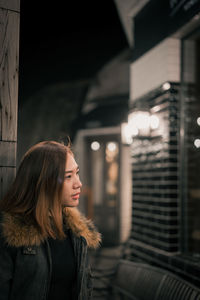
(66, 41)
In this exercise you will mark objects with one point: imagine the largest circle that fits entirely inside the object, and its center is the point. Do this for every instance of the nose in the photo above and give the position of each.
(77, 183)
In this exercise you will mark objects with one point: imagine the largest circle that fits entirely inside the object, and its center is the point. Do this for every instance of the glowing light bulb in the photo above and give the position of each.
(197, 143)
(166, 86)
(95, 146)
(154, 122)
(112, 146)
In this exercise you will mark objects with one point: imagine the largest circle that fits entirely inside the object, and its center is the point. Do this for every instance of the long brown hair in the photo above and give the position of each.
(35, 193)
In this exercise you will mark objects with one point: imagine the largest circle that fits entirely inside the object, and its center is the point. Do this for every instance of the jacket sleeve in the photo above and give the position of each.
(6, 269)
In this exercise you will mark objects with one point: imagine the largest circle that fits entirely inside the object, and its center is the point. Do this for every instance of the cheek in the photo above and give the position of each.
(66, 188)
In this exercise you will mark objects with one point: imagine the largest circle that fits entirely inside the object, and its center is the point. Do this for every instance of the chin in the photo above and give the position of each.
(71, 204)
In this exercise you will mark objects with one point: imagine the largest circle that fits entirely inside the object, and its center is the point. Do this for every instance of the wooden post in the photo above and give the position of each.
(9, 63)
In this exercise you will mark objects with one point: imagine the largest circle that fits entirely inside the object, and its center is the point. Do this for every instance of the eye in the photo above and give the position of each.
(68, 176)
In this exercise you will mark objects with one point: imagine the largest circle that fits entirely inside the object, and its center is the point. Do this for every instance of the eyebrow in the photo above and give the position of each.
(70, 171)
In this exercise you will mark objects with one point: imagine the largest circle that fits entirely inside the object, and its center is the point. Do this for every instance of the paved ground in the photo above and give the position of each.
(103, 263)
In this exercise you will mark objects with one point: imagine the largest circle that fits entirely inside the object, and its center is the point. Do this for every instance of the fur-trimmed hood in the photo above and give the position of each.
(18, 233)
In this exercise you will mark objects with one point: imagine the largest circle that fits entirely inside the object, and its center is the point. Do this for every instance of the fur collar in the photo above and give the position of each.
(17, 233)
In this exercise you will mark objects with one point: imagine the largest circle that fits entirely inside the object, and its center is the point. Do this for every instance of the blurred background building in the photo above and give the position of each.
(135, 126)
(160, 169)
(103, 159)
(163, 121)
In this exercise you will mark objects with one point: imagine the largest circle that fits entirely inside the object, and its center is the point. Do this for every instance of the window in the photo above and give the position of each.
(103, 158)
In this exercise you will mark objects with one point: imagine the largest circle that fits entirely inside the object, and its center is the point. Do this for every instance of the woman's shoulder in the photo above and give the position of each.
(6, 250)
(81, 226)
(17, 232)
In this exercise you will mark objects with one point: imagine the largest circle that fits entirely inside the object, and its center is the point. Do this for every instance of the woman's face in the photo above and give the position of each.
(72, 184)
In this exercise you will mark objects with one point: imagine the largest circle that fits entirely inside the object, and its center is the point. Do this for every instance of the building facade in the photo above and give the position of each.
(164, 133)
(103, 159)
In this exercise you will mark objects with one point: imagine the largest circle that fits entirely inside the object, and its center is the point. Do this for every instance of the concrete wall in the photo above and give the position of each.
(160, 64)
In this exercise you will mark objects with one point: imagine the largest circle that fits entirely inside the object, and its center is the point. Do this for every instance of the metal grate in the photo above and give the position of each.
(155, 175)
(173, 289)
(134, 280)
(137, 282)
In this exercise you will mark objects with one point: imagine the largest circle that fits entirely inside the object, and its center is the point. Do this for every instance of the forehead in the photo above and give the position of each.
(70, 162)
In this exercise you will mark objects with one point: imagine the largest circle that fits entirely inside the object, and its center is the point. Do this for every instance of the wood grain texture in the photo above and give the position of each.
(10, 4)
(7, 176)
(0, 122)
(7, 154)
(9, 64)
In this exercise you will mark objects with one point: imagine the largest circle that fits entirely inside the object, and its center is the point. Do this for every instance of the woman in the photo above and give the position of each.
(43, 237)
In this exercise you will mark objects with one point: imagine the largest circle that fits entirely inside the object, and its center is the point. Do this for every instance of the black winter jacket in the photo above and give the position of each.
(25, 257)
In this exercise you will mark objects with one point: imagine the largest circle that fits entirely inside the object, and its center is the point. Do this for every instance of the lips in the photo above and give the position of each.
(76, 196)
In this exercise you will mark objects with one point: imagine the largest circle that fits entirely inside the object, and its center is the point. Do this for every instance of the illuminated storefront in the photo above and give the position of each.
(164, 136)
